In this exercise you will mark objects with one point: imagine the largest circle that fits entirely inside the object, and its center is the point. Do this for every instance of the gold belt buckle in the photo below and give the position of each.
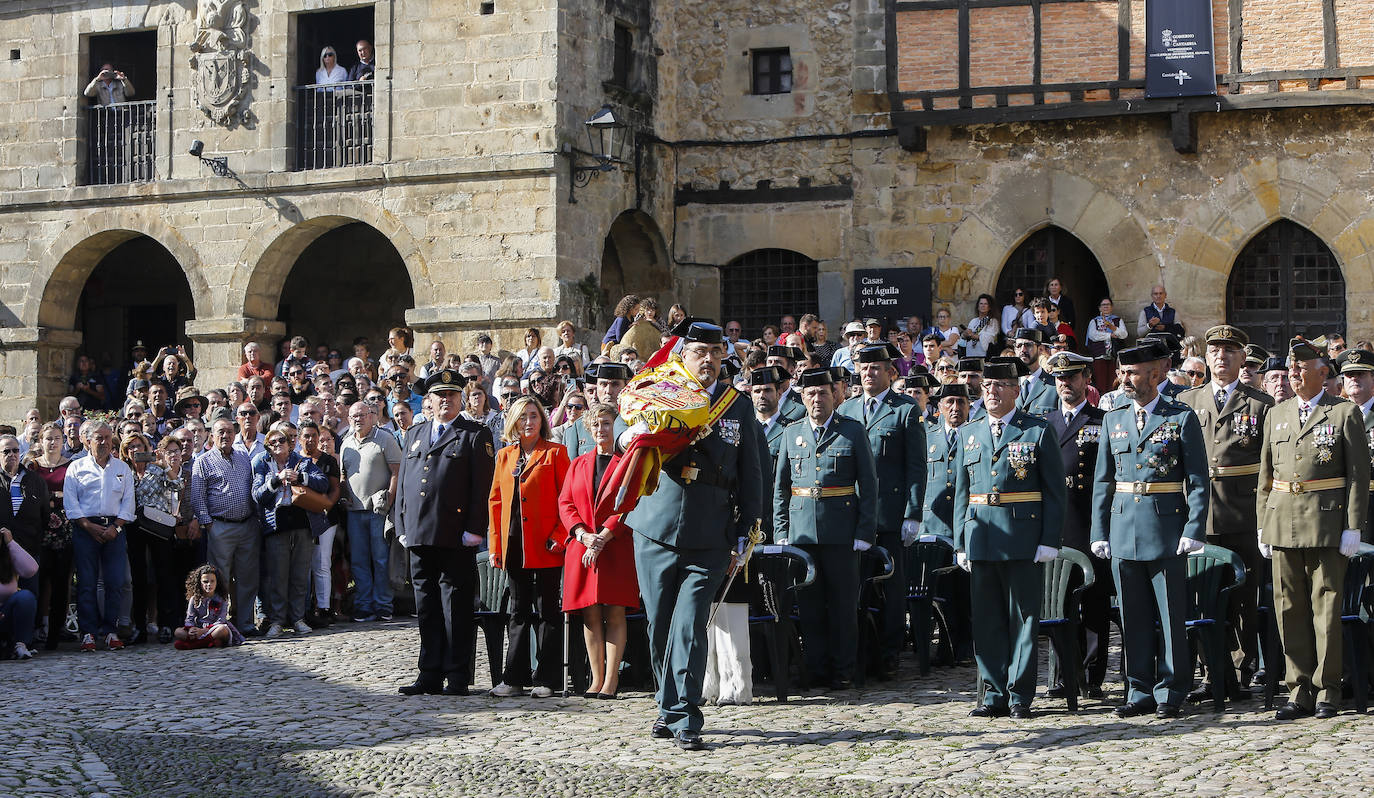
(994, 499)
(1295, 487)
(1212, 472)
(1139, 488)
(689, 474)
(814, 491)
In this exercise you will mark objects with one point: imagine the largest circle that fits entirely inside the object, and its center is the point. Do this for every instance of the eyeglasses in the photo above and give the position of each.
(9, 451)
(295, 373)
(246, 413)
(276, 441)
(330, 55)
(1019, 293)
(576, 407)
(1196, 373)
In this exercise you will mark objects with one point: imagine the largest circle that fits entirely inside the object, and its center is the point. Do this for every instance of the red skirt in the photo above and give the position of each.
(610, 580)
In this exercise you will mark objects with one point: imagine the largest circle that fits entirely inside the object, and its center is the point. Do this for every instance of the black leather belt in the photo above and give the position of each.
(230, 520)
(101, 520)
(692, 474)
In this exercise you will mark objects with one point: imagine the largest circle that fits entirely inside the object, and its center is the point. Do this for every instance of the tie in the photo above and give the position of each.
(819, 431)
(1140, 421)
(1221, 398)
(1304, 410)
(996, 429)
(1068, 417)
(870, 407)
(16, 495)
(950, 436)
(439, 430)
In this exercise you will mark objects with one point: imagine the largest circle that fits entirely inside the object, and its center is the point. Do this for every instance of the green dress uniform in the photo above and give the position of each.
(790, 405)
(1008, 501)
(1150, 490)
(708, 496)
(1233, 433)
(897, 440)
(1313, 485)
(937, 512)
(1038, 396)
(823, 501)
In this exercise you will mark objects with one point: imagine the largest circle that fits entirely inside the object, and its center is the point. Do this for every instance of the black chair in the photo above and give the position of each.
(1213, 572)
(875, 565)
(1355, 624)
(928, 560)
(491, 614)
(1060, 618)
(780, 571)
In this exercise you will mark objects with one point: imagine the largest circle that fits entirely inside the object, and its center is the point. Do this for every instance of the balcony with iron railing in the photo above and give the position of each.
(120, 142)
(333, 125)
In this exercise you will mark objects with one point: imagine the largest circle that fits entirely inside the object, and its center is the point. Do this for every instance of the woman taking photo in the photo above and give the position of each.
(599, 564)
(525, 539)
(981, 333)
(55, 554)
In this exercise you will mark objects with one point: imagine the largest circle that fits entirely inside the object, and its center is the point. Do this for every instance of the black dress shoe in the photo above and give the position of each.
(1202, 693)
(1055, 692)
(1096, 693)
(590, 694)
(454, 688)
(1326, 711)
(1166, 711)
(1021, 712)
(1133, 709)
(660, 730)
(421, 688)
(1291, 711)
(689, 740)
(987, 711)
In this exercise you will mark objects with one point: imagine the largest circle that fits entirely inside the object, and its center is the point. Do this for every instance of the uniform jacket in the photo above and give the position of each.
(694, 514)
(1078, 442)
(442, 489)
(1025, 458)
(578, 441)
(541, 481)
(1333, 443)
(791, 407)
(771, 441)
(1169, 449)
(1368, 529)
(840, 459)
(1233, 437)
(937, 517)
(897, 440)
(1172, 390)
(1038, 396)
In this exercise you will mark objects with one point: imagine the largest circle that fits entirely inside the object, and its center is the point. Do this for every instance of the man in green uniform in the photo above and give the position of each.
(785, 358)
(1150, 500)
(708, 497)
(1312, 502)
(1037, 396)
(1232, 416)
(824, 501)
(1252, 373)
(1008, 512)
(764, 382)
(970, 373)
(897, 440)
(610, 379)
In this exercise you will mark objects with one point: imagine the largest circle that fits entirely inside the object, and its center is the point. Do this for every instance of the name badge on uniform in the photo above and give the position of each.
(729, 431)
(415, 447)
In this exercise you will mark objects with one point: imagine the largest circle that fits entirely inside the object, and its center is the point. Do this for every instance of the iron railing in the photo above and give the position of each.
(333, 125)
(120, 142)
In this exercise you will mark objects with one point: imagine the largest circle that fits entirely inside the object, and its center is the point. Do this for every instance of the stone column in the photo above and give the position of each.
(35, 363)
(219, 345)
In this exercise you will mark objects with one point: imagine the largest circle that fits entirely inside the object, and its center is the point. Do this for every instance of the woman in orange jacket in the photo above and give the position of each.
(526, 539)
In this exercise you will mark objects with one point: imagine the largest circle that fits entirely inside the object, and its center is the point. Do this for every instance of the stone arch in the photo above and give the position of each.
(74, 254)
(269, 256)
(1025, 203)
(634, 259)
(1204, 249)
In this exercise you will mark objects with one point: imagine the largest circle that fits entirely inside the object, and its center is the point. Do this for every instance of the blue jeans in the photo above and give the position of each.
(368, 553)
(93, 560)
(16, 616)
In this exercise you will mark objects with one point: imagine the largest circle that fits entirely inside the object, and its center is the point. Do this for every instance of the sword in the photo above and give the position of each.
(754, 538)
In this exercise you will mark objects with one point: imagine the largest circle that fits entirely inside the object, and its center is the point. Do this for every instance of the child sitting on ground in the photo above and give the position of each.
(207, 612)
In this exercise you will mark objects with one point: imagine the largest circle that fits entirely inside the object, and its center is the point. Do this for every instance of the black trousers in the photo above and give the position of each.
(1094, 632)
(892, 619)
(536, 609)
(55, 568)
(152, 554)
(445, 582)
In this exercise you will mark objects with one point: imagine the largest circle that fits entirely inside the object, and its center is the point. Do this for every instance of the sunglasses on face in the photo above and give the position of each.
(1196, 373)
(577, 407)
(9, 451)
(246, 413)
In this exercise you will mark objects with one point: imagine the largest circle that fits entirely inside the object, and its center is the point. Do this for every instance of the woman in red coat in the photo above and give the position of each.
(599, 566)
(526, 539)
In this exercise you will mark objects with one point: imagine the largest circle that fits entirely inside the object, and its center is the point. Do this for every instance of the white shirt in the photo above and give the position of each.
(1077, 411)
(1364, 408)
(822, 428)
(1149, 408)
(773, 419)
(879, 399)
(1311, 404)
(1229, 389)
(90, 491)
(252, 451)
(1006, 420)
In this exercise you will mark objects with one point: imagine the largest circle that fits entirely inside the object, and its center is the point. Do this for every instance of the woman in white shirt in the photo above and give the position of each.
(949, 335)
(533, 341)
(1018, 313)
(568, 345)
(982, 329)
(1103, 333)
(330, 71)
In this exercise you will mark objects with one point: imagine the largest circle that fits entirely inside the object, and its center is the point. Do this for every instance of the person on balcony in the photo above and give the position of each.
(366, 64)
(110, 86)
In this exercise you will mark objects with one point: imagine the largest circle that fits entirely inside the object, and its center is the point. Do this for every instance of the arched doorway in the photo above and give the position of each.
(349, 282)
(1285, 282)
(760, 287)
(137, 292)
(1055, 252)
(634, 260)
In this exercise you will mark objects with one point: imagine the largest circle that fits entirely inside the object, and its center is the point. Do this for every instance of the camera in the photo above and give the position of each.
(197, 147)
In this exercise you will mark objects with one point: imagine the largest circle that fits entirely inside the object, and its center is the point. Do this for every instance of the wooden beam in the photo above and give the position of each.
(1333, 55)
(1183, 132)
(1234, 10)
(1123, 39)
(964, 100)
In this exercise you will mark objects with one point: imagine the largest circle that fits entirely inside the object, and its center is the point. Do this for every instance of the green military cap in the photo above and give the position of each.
(1300, 348)
(1256, 355)
(811, 378)
(1063, 364)
(1226, 334)
(1357, 360)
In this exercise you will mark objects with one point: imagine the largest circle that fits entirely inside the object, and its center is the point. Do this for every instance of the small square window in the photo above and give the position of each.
(772, 71)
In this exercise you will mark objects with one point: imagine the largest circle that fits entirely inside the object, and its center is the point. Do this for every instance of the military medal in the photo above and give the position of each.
(729, 431)
(1246, 427)
(1020, 456)
(1092, 433)
(1168, 431)
(1324, 436)
(801, 441)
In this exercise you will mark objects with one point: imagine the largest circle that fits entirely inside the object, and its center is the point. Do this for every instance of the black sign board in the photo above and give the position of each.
(1179, 60)
(892, 294)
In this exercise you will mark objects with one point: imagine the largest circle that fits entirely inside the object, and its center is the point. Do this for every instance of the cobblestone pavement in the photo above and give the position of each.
(319, 716)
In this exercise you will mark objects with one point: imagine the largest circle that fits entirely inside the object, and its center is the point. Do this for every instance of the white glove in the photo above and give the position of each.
(1045, 553)
(471, 541)
(961, 559)
(1266, 551)
(911, 529)
(636, 429)
(926, 538)
(1188, 546)
(1101, 549)
(862, 545)
(1350, 542)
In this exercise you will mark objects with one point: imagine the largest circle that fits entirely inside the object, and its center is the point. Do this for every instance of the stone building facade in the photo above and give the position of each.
(946, 135)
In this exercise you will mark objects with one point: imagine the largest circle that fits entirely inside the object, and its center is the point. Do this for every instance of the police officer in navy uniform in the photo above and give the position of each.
(824, 492)
(897, 440)
(1232, 416)
(1008, 513)
(1150, 503)
(1037, 396)
(785, 358)
(709, 496)
(1078, 426)
(610, 379)
(441, 518)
